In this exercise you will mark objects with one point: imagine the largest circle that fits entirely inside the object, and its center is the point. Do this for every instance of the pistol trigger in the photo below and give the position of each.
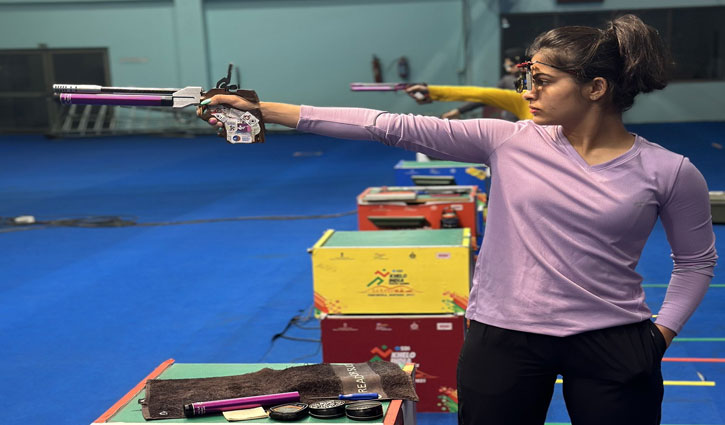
(224, 82)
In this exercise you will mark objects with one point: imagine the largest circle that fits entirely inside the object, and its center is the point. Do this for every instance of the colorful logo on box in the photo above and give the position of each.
(379, 277)
(401, 355)
(389, 283)
(381, 354)
(447, 399)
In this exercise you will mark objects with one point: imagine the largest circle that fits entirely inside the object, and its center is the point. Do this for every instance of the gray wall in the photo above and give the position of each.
(308, 51)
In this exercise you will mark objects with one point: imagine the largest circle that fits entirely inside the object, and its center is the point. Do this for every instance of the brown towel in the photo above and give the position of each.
(165, 398)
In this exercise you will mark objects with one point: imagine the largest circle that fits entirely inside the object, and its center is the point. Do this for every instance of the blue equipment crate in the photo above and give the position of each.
(433, 173)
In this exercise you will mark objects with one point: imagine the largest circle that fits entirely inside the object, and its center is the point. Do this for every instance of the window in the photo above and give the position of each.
(696, 36)
(26, 81)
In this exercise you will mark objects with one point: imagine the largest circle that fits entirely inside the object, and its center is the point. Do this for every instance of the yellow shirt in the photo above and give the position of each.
(508, 100)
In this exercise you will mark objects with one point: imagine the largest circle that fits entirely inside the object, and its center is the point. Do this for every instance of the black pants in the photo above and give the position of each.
(611, 376)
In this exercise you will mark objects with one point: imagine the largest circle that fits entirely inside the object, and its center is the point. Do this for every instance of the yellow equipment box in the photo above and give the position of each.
(392, 271)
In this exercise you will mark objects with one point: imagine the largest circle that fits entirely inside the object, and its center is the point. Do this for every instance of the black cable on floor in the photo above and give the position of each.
(21, 223)
(296, 321)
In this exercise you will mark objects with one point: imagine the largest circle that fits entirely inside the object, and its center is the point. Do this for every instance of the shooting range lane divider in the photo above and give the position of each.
(674, 383)
(692, 360)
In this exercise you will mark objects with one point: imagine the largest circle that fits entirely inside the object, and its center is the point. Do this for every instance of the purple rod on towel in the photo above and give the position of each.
(218, 406)
(115, 99)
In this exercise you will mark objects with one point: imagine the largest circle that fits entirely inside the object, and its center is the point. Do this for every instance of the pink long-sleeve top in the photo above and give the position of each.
(562, 237)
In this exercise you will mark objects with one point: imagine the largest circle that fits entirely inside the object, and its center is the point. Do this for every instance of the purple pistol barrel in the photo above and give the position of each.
(218, 406)
(115, 99)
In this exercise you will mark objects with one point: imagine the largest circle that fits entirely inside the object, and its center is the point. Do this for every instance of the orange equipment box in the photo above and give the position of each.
(409, 207)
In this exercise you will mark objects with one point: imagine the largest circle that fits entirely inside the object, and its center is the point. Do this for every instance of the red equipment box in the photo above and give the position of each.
(429, 207)
(431, 341)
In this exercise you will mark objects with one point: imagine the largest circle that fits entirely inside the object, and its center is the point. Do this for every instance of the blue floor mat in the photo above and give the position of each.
(87, 312)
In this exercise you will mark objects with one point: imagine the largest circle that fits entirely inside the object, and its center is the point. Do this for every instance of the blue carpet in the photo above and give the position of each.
(87, 312)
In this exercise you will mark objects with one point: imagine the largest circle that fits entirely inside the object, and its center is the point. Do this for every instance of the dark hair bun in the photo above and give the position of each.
(645, 60)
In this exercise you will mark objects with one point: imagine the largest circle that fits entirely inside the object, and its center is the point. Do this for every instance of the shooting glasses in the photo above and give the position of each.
(525, 79)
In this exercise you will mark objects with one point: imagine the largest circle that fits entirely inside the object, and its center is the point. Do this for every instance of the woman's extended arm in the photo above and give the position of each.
(508, 100)
(466, 141)
(280, 113)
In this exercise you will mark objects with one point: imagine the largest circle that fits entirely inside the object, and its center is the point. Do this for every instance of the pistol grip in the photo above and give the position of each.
(237, 133)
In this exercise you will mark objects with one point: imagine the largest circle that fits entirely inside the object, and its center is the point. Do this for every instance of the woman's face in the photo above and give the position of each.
(555, 97)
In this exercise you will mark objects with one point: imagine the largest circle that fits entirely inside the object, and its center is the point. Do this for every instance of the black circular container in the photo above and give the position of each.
(288, 412)
(364, 410)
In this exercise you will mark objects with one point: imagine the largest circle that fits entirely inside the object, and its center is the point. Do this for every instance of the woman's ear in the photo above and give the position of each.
(597, 88)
